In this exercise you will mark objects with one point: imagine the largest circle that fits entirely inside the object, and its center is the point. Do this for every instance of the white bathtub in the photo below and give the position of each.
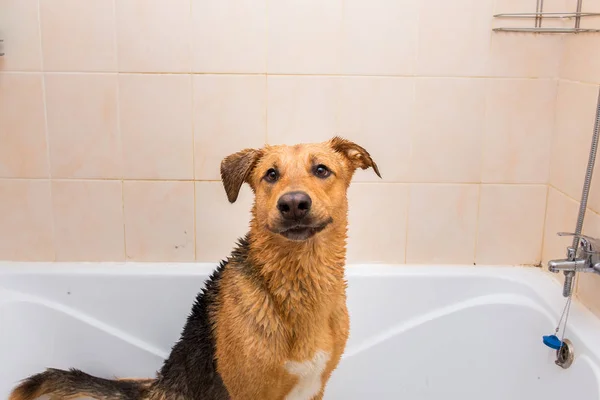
(417, 333)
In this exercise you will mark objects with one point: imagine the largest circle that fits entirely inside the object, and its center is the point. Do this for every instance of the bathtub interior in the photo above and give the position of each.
(416, 333)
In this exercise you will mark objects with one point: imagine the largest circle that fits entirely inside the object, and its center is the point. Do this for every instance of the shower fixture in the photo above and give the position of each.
(584, 253)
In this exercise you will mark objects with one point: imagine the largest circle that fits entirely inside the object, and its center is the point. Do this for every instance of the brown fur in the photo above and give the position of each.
(291, 301)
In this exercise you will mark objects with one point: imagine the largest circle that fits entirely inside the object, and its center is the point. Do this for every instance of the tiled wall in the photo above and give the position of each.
(114, 116)
(578, 90)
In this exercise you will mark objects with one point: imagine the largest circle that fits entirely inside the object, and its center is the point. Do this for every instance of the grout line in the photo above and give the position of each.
(490, 28)
(477, 224)
(554, 128)
(266, 115)
(190, 39)
(415, 76)
(406, 227)
(194, 221)
(47, 133)
(411, 136)
(266, 36)
(194, 160)
(579, 82)
(544, 238)
(482, 143)
(123, 214)
(549, 166)
(120, 133)
(588, 209)
(192, 85)
(218, 180)
(108, 179)
(417, 55)
(341, 34)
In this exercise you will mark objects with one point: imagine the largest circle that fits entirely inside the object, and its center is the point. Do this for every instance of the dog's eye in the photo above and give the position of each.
(322, 171)
(272, 175)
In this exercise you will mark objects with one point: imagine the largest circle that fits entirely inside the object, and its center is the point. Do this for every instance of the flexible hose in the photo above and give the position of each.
(568, 286)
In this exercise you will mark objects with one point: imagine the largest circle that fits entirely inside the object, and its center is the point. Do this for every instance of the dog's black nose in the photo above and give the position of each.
(294, 205)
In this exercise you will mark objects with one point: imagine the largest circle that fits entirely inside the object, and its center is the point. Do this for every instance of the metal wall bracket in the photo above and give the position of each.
(539, 15)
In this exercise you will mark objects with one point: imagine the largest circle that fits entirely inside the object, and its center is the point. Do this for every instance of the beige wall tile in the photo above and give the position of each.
(594, 196)
(301, 109)
(154, 35)
(575, 109)
(588, 291)
(518, 132)
(454, 37)
(591, 226)
(88, 220)
(304, 36)
(438, 129)
(229, 36)
(23, 146)
(379, 37)
(375, 112)
(450, 116)
(513, 6)
(587, 133)
(19, 20)
(528, 55)
(26, 221)
(561, 216)
(229, 115)
(590, 6)
(159, 220)
(579, 62)
(82, 126)
(378, 114)
(588, 287)
(156, 126)
(511, 223)
(219, 224)
(377, 211)
(78, 36)
(559, 6)
(442, 224)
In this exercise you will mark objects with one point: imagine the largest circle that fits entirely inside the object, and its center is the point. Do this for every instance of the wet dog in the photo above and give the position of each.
(271, 322)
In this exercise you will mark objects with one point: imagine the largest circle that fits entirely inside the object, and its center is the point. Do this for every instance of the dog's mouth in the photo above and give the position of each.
(302, 231)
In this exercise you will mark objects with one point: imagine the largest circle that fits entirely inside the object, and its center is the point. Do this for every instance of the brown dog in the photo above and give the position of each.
(271, 323)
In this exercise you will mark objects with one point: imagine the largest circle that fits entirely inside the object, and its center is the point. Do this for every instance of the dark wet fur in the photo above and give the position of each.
(190, 372)
(64, 384)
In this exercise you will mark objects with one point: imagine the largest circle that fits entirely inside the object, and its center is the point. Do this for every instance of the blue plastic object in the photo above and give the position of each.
(552, 341)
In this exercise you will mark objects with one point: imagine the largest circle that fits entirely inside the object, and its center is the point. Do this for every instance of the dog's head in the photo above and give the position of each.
(299, 190)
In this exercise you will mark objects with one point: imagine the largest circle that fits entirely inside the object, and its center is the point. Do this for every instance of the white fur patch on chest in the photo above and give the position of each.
(309, 376)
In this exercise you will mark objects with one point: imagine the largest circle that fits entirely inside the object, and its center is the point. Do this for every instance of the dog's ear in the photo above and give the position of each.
(235, 170)
(357, 155)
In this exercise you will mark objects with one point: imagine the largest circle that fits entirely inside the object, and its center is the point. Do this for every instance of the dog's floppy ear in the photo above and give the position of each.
(357, 155)
(235, 170)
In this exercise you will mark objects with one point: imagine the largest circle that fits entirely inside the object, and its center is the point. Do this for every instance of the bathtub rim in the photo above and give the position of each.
(547, 290)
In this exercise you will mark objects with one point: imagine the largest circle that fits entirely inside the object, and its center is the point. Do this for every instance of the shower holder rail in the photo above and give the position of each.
(540, 16)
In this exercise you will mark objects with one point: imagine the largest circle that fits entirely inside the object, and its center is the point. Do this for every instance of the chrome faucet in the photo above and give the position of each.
(583, 255)
(584, 258)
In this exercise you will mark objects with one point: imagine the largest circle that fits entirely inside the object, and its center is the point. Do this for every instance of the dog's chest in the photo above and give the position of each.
(309, 374)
